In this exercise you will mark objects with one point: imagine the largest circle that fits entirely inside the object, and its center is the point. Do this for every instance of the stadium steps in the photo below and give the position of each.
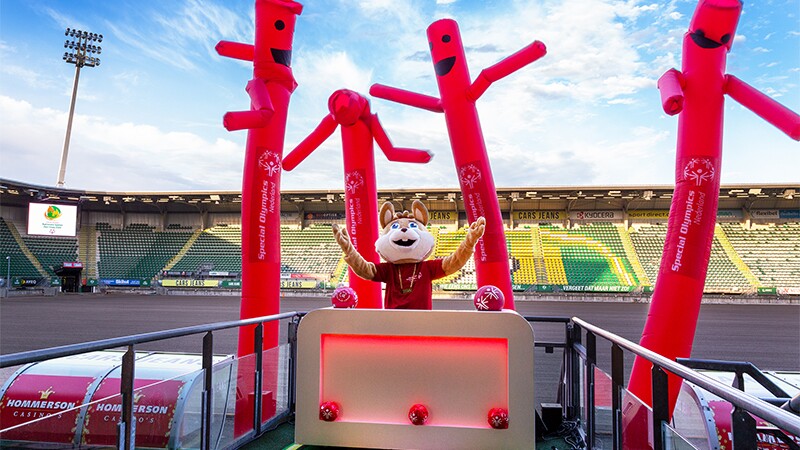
(583, 255)
(648, 241)
(633, 257)
(520, 248)
(88, 250)
(339, 272)
(445, 244)
(182, 252)
(719, 233)
(538, 256)
(12, 228)
(19, 264)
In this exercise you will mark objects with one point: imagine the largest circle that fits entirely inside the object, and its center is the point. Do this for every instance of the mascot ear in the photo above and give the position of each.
(387, 214)
(420, 212)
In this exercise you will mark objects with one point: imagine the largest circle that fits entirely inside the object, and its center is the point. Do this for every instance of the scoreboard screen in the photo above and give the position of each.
(50, 219)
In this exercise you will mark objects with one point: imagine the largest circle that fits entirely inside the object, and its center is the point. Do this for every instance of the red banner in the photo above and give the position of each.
(153, 411)
(33, 397)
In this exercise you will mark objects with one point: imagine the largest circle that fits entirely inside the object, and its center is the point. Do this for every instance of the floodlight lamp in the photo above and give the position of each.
(100, 38)
(66, 33)
(99, 49)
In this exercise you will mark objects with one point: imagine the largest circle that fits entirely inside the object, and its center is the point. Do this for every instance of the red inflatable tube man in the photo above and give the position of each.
(697, 93)
(269, 90)
(359, 128)
(457, 102)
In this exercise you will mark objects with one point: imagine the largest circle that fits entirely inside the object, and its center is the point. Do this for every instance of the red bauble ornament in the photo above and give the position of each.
(344, 297)
(329, 411)
(498, 418)
(489, 298)
(418, 414)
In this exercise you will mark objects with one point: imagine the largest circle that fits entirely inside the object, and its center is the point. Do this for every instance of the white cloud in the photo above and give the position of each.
(134, 156)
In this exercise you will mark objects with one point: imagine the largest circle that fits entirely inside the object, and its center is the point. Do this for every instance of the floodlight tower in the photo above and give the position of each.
(81, 51)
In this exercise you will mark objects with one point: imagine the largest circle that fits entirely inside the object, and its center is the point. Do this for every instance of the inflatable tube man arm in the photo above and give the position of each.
(406, 97)
(262, 109)
(396, 154)
(768, 109)
(360, 266)
(455, 261)
(670, 85)
(323, 131)
(505, 68)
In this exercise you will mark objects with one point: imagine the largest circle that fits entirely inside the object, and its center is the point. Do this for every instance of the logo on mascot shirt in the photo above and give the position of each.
(470, 175)
(270, 162)
(699, 170)
(353, 181)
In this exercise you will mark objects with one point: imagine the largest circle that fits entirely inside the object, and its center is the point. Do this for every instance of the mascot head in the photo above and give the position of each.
(404, 238)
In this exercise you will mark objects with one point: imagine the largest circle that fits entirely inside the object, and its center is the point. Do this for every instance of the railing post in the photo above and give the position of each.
(744, 429)
(258, 346)
(293, 324)
(126, 429)
(575, 369)
(617, 374)
(660, 405)
(206, 405)
(591, 361)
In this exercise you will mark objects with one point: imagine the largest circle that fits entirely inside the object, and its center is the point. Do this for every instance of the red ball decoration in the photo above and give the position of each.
(498, 418)
(418, 414)
(489, 298)
(344, 297)
(329, 411)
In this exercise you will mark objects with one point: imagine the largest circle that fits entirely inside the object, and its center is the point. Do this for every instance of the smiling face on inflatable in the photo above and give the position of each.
(404, 238)
(447, 52)
(278, 31)
(714, 23)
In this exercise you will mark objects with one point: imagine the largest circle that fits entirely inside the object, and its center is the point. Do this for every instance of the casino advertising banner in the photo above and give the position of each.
(33, 397)
(153, 410)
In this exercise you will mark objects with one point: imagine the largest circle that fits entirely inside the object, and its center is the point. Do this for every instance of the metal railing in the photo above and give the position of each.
(124, 427)
(744, 425)
(576, 353)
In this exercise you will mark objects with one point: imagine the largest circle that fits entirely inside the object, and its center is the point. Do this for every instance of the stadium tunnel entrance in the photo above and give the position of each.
(70, 278)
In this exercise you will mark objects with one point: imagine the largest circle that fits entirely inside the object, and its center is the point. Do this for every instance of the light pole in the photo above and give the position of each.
(8, 276)
(80, 52)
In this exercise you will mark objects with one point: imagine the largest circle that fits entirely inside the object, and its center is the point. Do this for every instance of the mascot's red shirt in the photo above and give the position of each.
(408, 286)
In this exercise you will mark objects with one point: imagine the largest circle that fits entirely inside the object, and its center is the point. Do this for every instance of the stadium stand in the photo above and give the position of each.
(217, 248)
(723, 275)
(12, 245)
(136, 251)
(771, 252)
(590, 255)
(550, 244)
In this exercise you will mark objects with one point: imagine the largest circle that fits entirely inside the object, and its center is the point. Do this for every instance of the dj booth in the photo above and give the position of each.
(415, 379)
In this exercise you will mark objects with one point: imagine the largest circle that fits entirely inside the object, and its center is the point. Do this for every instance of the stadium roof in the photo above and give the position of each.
(748, 196)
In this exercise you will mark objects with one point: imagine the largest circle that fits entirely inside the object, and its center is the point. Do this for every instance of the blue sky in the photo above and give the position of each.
(149, 117)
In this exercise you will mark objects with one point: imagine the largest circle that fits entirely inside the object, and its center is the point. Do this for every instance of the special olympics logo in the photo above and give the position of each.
(270, 162)
(52, 213)
(470, 175)
(699, 170)
(353, 181)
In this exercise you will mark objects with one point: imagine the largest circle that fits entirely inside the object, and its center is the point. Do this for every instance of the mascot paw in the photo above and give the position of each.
(476, 229)
(341, 236)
